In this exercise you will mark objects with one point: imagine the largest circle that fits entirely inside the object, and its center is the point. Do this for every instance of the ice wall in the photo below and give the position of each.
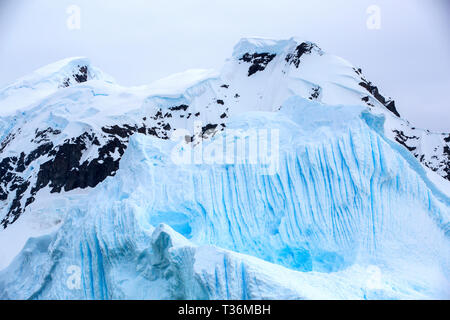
(344, 199)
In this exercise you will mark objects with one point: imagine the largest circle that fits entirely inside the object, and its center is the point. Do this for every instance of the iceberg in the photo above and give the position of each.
(345, 211)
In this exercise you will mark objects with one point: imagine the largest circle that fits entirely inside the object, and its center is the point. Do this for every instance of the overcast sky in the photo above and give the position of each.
(138, 41)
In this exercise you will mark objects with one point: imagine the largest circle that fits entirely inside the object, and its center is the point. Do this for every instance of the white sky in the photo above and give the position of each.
(138, 41)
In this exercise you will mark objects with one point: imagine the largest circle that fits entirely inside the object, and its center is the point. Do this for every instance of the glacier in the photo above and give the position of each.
(348, 213)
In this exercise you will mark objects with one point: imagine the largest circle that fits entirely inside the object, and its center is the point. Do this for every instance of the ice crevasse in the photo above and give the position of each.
(347, 214)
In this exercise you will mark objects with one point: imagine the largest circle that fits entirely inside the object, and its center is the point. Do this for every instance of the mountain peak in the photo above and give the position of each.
(47, 80)
(265, 45)
(76, 69)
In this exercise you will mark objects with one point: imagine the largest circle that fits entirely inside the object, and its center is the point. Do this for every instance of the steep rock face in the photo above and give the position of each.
(258, 61)
(431, 149)
(303, 48)
(389, 104)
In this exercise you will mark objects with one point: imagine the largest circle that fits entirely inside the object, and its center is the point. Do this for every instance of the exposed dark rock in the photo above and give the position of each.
(6, 141)
(259, 61)
(367, 101)
(402, 139)
(446, 162)
(152, 131)
(38, 152)
(142, 130)
(63, 169)
(358, 71)
(158, 115)
(389, 104)
(6, 168)
(80, 76)
(15, 210)
(180, 107)
(438, 161)
(303, 48)
(66, 83)
(447, 139)
(315, 93)
(209, 129)
(123, 132)
(43, 135)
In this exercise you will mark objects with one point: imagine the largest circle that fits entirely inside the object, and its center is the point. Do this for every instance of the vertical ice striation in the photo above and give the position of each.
(344, 199)
(92, 205)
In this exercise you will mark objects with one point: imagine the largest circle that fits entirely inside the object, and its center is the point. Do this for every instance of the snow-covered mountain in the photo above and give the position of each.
(88, 183)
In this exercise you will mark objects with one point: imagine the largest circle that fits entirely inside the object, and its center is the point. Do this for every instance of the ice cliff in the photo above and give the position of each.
(352, 203)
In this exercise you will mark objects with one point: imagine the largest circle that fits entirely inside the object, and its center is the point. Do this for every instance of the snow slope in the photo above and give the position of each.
(89, 187)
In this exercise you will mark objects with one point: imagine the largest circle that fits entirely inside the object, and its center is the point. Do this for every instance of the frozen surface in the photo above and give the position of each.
(348, 212)
(343, 203)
